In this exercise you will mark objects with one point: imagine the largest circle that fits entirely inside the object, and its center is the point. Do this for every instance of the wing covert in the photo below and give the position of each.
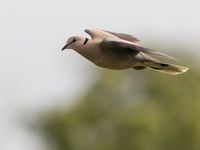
(126, 37)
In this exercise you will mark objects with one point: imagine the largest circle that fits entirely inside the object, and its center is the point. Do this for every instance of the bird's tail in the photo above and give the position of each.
(166, 68)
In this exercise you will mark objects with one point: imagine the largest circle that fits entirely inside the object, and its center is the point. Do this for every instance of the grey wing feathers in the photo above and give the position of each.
(126, 37)
(115, 44)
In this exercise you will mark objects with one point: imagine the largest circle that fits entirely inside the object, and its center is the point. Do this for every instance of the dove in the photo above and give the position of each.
(119, 51)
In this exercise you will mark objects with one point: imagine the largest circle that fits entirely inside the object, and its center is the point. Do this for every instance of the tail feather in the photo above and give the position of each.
(166, 68)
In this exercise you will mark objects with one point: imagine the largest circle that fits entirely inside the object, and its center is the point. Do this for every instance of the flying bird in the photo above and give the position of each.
(119, 51)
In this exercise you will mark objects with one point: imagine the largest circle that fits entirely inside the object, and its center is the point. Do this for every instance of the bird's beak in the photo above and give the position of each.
(64, 47)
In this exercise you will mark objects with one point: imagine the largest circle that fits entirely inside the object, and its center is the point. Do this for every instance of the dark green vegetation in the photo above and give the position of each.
(130, 110)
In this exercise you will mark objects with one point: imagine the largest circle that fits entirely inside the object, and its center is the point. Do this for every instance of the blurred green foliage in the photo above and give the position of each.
(130, 110)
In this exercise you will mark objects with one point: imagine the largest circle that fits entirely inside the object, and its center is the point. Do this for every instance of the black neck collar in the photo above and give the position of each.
(86, 40)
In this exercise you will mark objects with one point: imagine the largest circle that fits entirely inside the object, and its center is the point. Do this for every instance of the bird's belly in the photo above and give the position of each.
(115, 63)
(115, 67)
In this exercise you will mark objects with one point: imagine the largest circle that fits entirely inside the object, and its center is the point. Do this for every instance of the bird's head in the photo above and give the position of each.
(74, 42)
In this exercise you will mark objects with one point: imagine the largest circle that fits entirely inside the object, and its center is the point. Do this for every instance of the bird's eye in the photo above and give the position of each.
(74, 40)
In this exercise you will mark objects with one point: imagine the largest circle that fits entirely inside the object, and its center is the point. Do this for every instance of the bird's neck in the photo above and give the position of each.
(89, 50)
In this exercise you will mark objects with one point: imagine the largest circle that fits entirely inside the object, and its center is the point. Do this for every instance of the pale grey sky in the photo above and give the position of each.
(35, 74)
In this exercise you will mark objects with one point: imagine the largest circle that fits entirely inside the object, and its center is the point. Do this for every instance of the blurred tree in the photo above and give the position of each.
(130, 110)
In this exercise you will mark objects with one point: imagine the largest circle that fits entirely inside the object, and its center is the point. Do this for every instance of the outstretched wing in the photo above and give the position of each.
(126, 37)
(97, 33)
(100, 34)
(117, 44)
